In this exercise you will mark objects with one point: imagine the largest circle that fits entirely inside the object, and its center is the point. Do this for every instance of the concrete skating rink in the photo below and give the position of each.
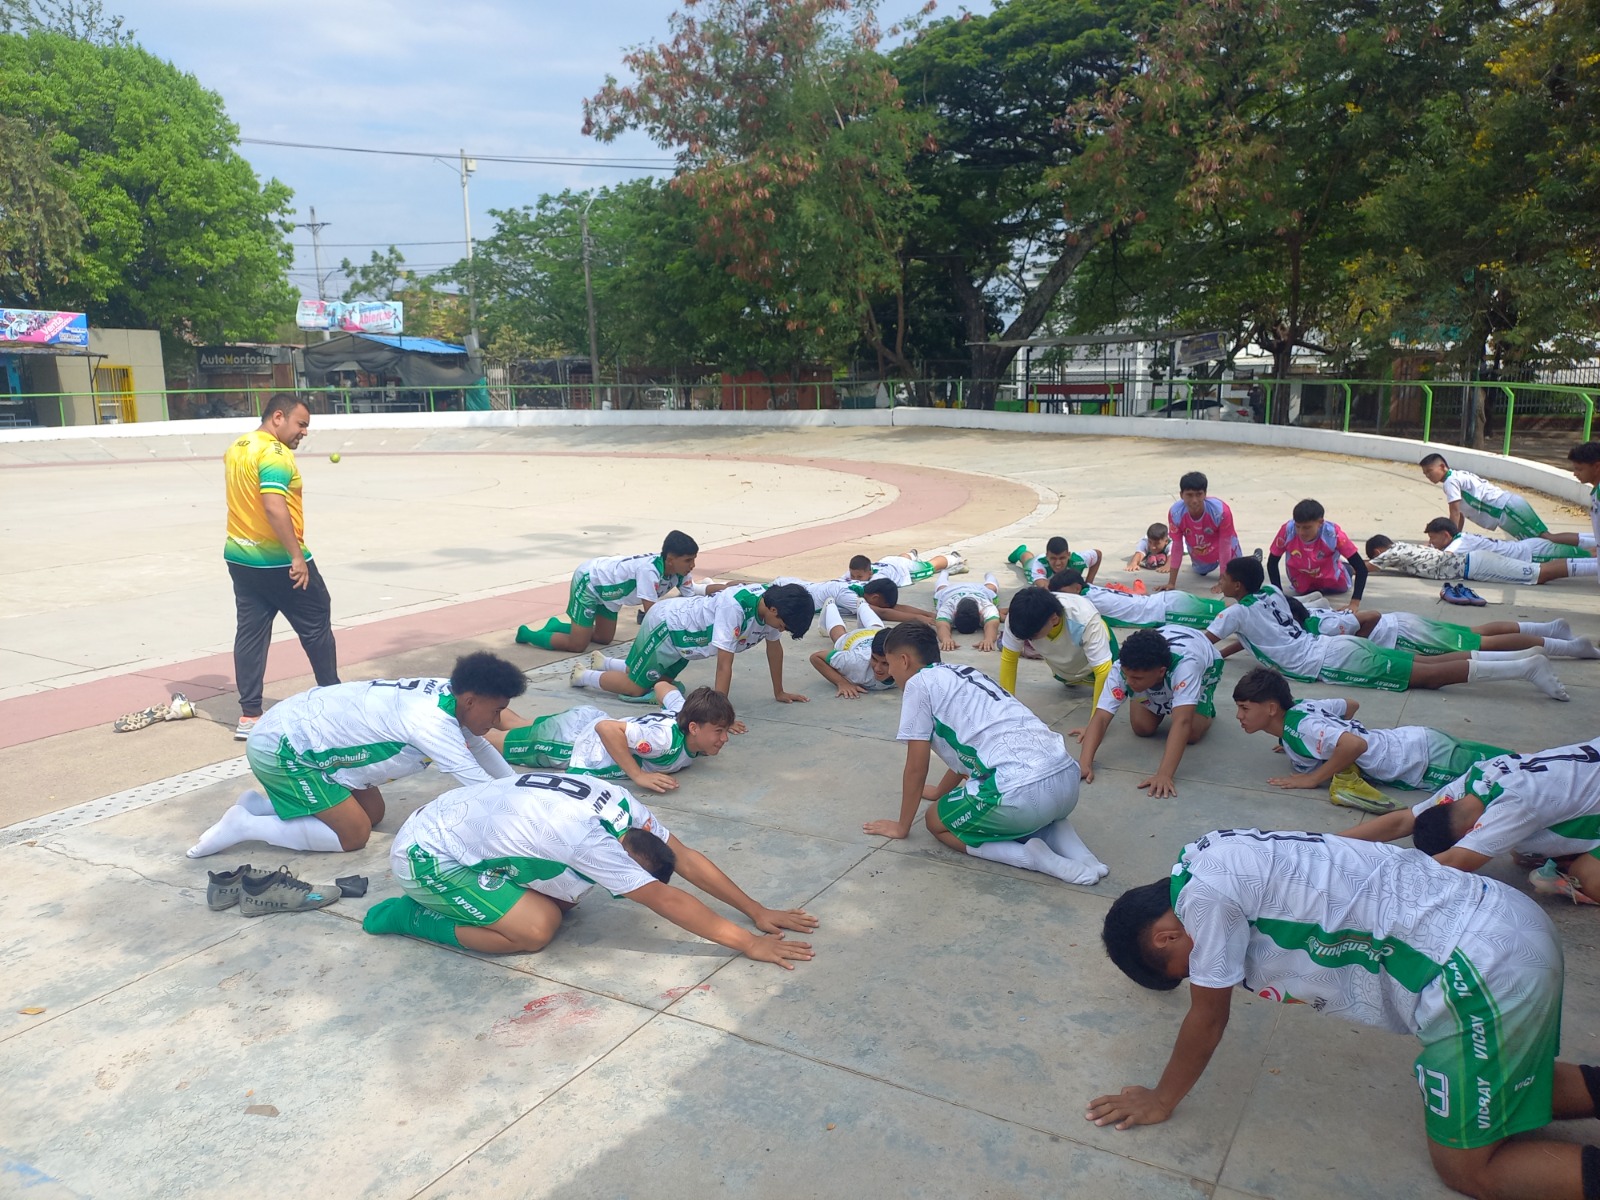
(958, 1014)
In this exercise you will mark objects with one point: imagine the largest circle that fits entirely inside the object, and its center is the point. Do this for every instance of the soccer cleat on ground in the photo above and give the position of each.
(1256, 554)
(245, 727)
(958, 565)
(1349, 790)
(222, 890)
(1549, 880)
(177, 709)
(1016, 555)
(282, 892)
(1460, 593)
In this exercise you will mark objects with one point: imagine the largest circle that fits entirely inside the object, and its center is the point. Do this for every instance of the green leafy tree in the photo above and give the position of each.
(85, 20)
(41, 230)
(792, 141)
(180, 234)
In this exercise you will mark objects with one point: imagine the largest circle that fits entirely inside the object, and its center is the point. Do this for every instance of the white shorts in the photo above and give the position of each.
(1497, 568)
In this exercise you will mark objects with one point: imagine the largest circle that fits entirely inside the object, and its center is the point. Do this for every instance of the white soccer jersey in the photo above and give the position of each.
(621, 581)
(897, 568)
(1471, 543)
(978, 729)
(851, 656)
(1357, 929)
(1122, 608)
(550, 832)
(844, 594)
(1326, 622)
(1264, 623)
(1480, 499)
(947, 597)
(1081, 644)
(364, 734)
(702, 625)
(654, 739)
(1192, 657)
(1312, 728)
(1546, 803)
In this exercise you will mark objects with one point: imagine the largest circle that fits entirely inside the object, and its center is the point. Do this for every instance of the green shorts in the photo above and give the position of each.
(296, 789)
(1450, 758)
(480, 894)
(977, 812)
(1487, 1066)
(1361, 664)
(532, 746)
(654, 656)
(582, 603)
(1422, 636)
(1520, 521)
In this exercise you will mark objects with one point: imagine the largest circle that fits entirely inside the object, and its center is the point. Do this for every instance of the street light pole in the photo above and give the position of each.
(588, 291)
(316, 227)
(468, 166)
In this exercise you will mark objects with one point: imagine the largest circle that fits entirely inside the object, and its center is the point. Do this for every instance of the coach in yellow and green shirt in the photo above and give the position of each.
(267, 558)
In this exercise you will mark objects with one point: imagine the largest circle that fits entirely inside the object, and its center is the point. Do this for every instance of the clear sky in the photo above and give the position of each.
(493, 76)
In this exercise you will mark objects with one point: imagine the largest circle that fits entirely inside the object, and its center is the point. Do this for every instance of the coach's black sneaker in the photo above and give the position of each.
(282, 892)
(222, 892)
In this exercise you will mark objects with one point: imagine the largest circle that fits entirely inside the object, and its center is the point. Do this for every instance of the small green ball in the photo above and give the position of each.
(334, 457)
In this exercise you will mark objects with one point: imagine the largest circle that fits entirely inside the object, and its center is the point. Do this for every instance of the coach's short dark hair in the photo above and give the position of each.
(483, 674)
(1441, 525)
(1126, 933)
(1377, 544)
(968, 617)
(794, 606)
(1247, 572)
(1145, 650)
(677, 544)
(1431, 831)
(1030, 611)
(651, 853)
(1193, 481)
(1261, 684)
(917, 637)
(282, 402)
(705, 706)
(1308, 510)
(887, 589)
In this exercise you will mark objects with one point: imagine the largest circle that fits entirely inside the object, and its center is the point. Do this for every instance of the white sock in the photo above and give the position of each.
(590, 679)
(994, 584)
(255, 802)
(1586, 541)
(1061, 837)
(1508, 655)
(830, 616)
(942, 579)
(1548, 629)
(1570, 648)
(1034, 855)
(237, 825)
(1583, 566)
(616, 664)
(1536, 671)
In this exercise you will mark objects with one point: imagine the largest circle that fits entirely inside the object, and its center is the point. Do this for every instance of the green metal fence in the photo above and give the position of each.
(1520, 416)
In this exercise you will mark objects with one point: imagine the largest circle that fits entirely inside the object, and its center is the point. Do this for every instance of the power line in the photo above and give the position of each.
(359, 245)
(615, 163)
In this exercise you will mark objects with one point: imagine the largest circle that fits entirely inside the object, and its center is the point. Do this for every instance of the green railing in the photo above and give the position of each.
(1429, 409)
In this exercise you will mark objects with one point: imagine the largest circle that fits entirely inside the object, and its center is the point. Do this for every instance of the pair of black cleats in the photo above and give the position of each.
(259, 892)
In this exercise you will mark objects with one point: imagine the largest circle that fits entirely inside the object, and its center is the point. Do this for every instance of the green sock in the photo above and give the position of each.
(557, 625)
(526, 634)
(536, 637)
(402, 914)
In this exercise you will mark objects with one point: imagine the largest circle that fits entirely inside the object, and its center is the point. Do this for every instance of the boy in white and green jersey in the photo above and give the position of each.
(1481, 502)
(1385, 937)
(1058, 557)
(904, 569)
(603, 587)
(1170, 671)
(1011, 785)
(856, 663)
(1423, 635)
(1545, 804)
(321, 755)
(1124, 610)
(1321, 739)
(494, 867)
(678, 631)
(966, 608)
(845, 594)
(647, 749)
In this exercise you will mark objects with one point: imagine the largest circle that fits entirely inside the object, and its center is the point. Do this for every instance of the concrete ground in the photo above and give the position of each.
(958, 1014)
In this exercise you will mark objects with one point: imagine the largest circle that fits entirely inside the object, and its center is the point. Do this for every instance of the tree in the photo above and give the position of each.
(41, 229)
(379, 278)
(792, 141)
(85, 20)
(180, 234)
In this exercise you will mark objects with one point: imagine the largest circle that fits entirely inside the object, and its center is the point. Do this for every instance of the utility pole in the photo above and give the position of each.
(588, 291)
(316, 227)
(468, 166)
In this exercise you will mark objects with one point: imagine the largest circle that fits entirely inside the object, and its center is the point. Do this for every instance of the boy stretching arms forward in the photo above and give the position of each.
(602, 587)
(1066, 631)
(1425, 562)
(905, 569)
(1481, 502)
(966, 608)
(1058, 556)
(1205, 524)
(648, 749)
(1150, 552)
(1011, 784)
(1381, 936)
(1167, 671)
(675, 632)
(856, 663)
(1322, 739)
(1314, 547)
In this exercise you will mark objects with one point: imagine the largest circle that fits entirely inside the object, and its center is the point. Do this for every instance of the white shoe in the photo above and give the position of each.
(575, 677)
(958, 565)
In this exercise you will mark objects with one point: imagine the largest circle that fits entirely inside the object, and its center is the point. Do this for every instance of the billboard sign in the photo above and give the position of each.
(1202, 347)
(235, 360)
(363, 316)
(36, 327)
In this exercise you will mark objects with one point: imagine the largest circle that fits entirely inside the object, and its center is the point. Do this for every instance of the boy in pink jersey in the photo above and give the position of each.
(1314, 547)
(1204, 524)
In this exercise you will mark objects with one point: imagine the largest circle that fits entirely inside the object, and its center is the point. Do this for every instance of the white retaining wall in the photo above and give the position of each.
(1517, 472)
